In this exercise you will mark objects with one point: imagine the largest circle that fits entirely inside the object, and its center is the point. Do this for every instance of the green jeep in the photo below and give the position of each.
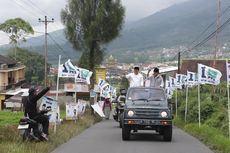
(146, 108)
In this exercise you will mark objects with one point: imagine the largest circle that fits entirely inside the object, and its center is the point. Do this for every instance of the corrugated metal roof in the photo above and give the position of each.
(7, 60)
(163, 69)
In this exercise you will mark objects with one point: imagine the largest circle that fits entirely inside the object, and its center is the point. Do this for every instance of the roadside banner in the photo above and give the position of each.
(71, 111)
(81, 105)
(54, 114)
(98, 109)
(208, 75)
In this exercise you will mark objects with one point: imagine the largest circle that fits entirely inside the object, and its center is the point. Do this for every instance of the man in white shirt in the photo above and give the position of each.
(156, 79)
(135, 79)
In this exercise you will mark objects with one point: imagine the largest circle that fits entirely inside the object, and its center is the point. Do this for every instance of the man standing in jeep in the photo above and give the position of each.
(156, 79)
(135, 79)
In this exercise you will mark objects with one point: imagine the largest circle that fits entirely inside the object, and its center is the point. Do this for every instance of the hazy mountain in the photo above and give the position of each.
(177, 25)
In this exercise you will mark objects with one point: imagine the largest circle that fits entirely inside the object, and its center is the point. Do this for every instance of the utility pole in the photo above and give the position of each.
(178, 71)
(217, 32)
(46, 58)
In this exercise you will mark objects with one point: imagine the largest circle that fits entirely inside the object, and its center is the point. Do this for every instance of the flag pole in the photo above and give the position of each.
(57, 87)
(228, 112)
(186, 104)
(199, 103)
(176, 102)
(228, 98)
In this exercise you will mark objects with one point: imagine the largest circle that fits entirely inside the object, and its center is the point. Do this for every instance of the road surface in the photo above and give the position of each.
(105, 137)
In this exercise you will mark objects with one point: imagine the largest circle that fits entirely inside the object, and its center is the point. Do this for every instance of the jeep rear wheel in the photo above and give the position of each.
(125, 133)
(167, 135)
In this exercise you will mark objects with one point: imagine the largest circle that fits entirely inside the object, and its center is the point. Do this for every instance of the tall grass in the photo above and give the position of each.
(10, 142)
(212, 137)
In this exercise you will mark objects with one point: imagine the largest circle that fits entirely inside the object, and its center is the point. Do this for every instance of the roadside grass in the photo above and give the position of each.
(9, 118)
(212, 137)
(10, 141)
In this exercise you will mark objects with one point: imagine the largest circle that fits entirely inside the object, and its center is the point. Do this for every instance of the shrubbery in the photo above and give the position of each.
(213, 106)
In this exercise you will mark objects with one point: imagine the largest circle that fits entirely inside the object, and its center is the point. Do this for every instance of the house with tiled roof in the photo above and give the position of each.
(12, 75)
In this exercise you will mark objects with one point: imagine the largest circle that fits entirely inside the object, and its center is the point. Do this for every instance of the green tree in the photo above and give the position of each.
(89, 24)
(17, 29)
(34, 63)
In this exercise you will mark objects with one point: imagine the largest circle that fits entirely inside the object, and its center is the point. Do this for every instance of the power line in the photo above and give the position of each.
(210, 36)
(25, 9)
(59, 46)
(209, 26)
(202, 33)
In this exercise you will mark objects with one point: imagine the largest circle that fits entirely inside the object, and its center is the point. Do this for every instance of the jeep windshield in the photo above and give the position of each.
(146, 95)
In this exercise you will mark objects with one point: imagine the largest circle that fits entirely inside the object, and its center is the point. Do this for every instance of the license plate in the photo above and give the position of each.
(146, 122)
(21, 127)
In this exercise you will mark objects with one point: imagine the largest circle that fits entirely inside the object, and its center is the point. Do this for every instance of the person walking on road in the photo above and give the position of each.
(156, 79)
(107, 107)
(135, 79)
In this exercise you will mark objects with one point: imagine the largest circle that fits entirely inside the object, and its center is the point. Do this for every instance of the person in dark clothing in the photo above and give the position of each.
(32, 112)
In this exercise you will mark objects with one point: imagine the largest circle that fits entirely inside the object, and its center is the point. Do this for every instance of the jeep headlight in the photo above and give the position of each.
(164, 114)
(130, 113)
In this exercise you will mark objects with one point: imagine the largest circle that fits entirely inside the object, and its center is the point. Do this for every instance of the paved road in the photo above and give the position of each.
(105, 137)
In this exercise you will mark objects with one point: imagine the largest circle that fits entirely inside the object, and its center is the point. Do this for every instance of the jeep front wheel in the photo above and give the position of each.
(167, 134)
(125, 133)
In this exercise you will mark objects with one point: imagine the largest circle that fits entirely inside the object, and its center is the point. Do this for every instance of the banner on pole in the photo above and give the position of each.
(172, 83)
(68, 70)
(192, 78)
(208, 75)
(106, 90)
(168, 89)
(180, 80)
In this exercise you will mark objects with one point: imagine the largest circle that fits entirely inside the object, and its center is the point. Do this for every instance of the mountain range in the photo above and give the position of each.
(178, 25)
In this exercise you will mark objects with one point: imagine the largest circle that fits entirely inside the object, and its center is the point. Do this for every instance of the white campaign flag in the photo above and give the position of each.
(228, 72)
(68, 70)
(102, 83)
(106, 90)
(191, 78)
(180, 80)
(84, 75)
(168, 89)
(208, 75)
(172, 82)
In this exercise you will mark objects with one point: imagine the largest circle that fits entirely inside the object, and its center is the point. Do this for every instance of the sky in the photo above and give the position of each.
(31, 10)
